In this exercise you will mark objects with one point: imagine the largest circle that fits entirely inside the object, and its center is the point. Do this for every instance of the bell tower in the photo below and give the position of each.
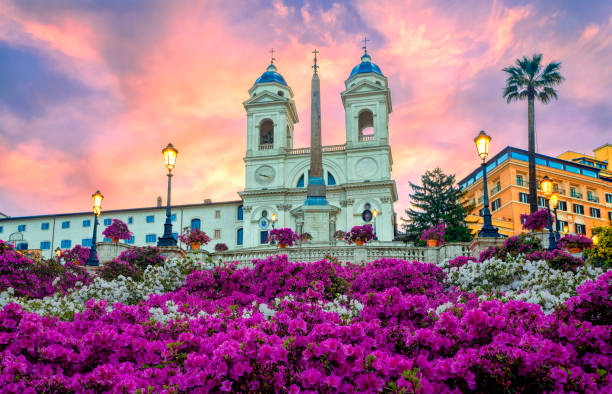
(367, 104)
(271, 114)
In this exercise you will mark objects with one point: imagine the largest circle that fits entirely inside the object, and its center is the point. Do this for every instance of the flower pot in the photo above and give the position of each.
(432, 243)
(282, 246)
(195, 245)
(574, 250)
(539, 229)
(115, 239)
(359, 242)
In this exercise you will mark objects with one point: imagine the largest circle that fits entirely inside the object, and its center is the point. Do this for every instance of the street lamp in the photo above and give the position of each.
(546, 186)
(273, 219)
(375, 214)
(482, 141)
(92, 260)
(554, 201)
(595, 239)
(170, 159)
(58, 253)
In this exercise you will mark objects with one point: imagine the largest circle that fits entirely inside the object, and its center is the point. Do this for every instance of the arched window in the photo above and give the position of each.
(196, 223)
(240, 212)
(266, 132)
(239, 236)
(330, 179)
(301, 181)
(366, 123)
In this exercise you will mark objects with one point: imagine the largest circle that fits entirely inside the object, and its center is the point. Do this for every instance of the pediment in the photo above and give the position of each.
(365, 87)
(266, 97)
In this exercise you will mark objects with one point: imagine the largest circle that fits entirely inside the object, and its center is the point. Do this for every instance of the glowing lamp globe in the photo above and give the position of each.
(170, 156)
(595, 240)
(554, 200)
(97, 202)
(375, 213)
(273, 217)
(547, 186)
(482, 141)
(58, 252)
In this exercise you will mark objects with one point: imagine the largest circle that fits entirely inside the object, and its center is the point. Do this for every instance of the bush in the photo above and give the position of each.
(557, 259)
(112, 269)
(141, 258)
(513, 246)
(77, 255)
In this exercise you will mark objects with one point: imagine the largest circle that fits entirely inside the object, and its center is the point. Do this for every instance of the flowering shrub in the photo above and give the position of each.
(339, 234)
(575, 241)
(194, 235)
(460, 260)
(434, 232)
(319, 327)
(111, 270)
(36, 280)
(77, 255)
(285, 236)
(305, 236)
(557, 259)
(364, 233)
(221, 247)
(117, 229)
(142, 257)
(536, 220)
(512, 247)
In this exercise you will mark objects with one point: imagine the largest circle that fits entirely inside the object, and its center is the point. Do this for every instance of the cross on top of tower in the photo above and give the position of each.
(272, 56)
(365, 44)
(315, 60)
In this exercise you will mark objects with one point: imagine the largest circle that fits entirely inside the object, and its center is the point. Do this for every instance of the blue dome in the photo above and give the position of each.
(366, 66)
(271, 76)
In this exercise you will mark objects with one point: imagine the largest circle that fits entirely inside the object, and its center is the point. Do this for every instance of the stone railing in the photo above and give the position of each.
(328, 148)
(306, 253)
(366, 138)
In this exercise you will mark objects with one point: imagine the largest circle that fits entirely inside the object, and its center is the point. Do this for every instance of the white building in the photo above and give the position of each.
(357, 174)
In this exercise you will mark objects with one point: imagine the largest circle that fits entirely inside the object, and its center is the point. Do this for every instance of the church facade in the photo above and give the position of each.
(357, 176)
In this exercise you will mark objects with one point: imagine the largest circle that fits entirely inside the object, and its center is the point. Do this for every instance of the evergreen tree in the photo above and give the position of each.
(436, 200)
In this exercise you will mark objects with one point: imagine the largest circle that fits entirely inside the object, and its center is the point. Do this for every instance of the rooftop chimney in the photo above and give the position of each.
(159, 201)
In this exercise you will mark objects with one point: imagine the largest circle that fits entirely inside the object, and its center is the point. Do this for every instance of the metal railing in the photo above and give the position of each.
(495, 189)
(592, 198)
(575, 194)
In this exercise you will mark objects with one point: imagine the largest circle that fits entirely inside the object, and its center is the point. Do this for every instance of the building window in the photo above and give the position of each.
(580, 229)
(266, 132)
(196, 223)
(595, 213)
(151, 219)
(609, 218)
(263, 237)
(130, 241)
(541, 202)
(150, 238)
(217, 214)
(574, 192)
(1, 229)
(524, 198)
(86, 223)
(45, 245)
(106, 239)
(330, 179)
(175, 235)
(44, 226)
(21, 228)
(301, 181)
(131, 220)
(240, 212)
(520, 180)
(609, 198)
(217, 234)
(495, 204)
(107, 221)
(173, 217)
(66, 244)
(563, 226)
(239, 236)
(86, 242)
(562, 206)
(66, 224)
(579, 209)
(365, 123)
(22, 246)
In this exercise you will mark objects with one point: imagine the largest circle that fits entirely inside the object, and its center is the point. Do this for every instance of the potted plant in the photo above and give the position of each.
(575, 243)
(221, 247)
(194, 237)
(434, 235)
(360, 235)
(339, 235)
(117, 230)
(283, 237)
(535, 221)
(305, 237)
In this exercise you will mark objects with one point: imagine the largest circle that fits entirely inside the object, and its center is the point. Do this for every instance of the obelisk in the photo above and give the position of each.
(315, 193)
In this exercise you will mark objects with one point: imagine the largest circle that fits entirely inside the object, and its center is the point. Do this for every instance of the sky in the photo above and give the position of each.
(91, 91)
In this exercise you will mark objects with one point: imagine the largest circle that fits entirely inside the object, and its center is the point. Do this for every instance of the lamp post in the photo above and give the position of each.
(92, 260)
(595, 239)
(375, 214)
(273, 219)
(554, 201)
(546, 186)
(167, 239)
(58, 253)
(482, 141)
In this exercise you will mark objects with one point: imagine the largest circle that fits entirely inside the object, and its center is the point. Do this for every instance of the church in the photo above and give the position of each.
(316, 189)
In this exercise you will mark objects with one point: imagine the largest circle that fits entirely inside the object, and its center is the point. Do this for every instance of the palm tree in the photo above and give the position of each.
(529, 80)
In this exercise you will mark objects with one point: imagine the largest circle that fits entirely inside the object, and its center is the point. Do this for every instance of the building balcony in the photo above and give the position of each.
(593, 198)
(575, 195)
(363, 138)
(560, 191)
(266, 146)
(495, 190)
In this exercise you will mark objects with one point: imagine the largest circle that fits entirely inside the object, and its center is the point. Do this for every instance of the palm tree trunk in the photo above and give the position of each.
(533, 196)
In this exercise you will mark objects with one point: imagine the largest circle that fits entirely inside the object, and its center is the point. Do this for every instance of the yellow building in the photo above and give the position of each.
(582, 182)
